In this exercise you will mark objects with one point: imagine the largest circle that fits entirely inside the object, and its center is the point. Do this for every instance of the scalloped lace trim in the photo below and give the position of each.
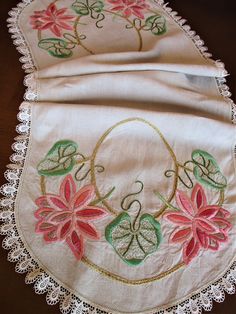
(22, 47)
(25, 263)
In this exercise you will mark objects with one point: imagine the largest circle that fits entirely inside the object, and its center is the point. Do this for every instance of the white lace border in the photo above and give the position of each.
(43, 282)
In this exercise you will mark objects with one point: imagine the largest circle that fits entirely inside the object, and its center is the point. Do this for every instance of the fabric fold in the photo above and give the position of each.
(129, 62)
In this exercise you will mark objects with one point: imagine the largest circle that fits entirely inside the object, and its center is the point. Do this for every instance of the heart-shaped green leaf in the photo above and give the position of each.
(59, 160)
(56, 47)
(97, 6)
(80, 7)
(156, 24)
(133, 246)
(83, 7)
(207, 171)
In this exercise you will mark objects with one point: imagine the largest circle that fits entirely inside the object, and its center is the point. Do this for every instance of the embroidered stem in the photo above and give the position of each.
(78, 36)
(43, 185)
(184, 166)
(99, 170)
(139, 211)
(39, 35)
(221, 198)
(165, 201)
(95, 202)
(131, 194)
(133, 26)
(169, 149)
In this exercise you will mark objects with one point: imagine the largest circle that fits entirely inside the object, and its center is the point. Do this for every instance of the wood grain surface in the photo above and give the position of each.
(213, 20)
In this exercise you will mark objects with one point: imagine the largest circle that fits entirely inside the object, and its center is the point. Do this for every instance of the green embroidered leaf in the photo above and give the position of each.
(56, 47)
(80, 8)
(133, 246)
(84, 8)
(97, 6)
(156, 23)
(59, 160)
(207, 171)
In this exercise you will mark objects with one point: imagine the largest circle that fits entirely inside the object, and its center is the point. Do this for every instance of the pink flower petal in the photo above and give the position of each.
(198, 196)
(64, 25)
(118, 8)
(202, 238)
(88, 230)
(190, 250)
(65, 229)
(184, 203)
(224, 213)
(46, 19)
(44, 226)
(56, 30)
(46, 25)
(69, 18)
(220, 237)
(61, 11)
(127, 12)
(83, 197)
(56, 202)
(180, 235)
(137, 11)
(177, 218)
(42, 201)
(222, 223)
(115, 1)
(43, 212)
(206, 225)
(213, 244)
(51, 236)
(209, 211)
(90, 213)
(76, 244)
(51, 9)
(60, 217)
(67, 188)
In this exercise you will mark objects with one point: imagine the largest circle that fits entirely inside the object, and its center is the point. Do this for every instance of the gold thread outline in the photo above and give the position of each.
(108, 274)
(172, 154)
(86, 260)
(133, 282)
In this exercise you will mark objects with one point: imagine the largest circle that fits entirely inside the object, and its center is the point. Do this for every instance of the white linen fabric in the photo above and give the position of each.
(124, 105)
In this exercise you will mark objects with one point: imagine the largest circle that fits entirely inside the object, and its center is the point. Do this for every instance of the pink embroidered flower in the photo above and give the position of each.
(199, 225)
(51, 18)
(129, 7)
(68, 216)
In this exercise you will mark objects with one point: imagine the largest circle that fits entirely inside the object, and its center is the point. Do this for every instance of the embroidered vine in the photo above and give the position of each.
(201, 226)
(134, 241)
(135, 14)
(133, 233)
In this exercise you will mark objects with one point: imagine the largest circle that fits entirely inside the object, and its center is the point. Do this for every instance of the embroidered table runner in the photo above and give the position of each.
(121, 194)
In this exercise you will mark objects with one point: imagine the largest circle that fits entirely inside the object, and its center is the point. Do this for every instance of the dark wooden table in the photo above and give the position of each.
(213, 20)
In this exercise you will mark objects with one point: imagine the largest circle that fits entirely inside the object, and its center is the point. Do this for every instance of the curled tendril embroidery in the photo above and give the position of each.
(134, 233)
(137, 16)
(204, 168)
(134, 240)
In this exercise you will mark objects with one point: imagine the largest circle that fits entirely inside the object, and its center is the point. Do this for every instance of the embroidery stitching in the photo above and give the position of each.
(57, 20)
(200, 225)
(68, 216)
(133, 239)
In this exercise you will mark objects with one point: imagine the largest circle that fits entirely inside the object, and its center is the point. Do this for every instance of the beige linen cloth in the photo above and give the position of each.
(121, 194)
